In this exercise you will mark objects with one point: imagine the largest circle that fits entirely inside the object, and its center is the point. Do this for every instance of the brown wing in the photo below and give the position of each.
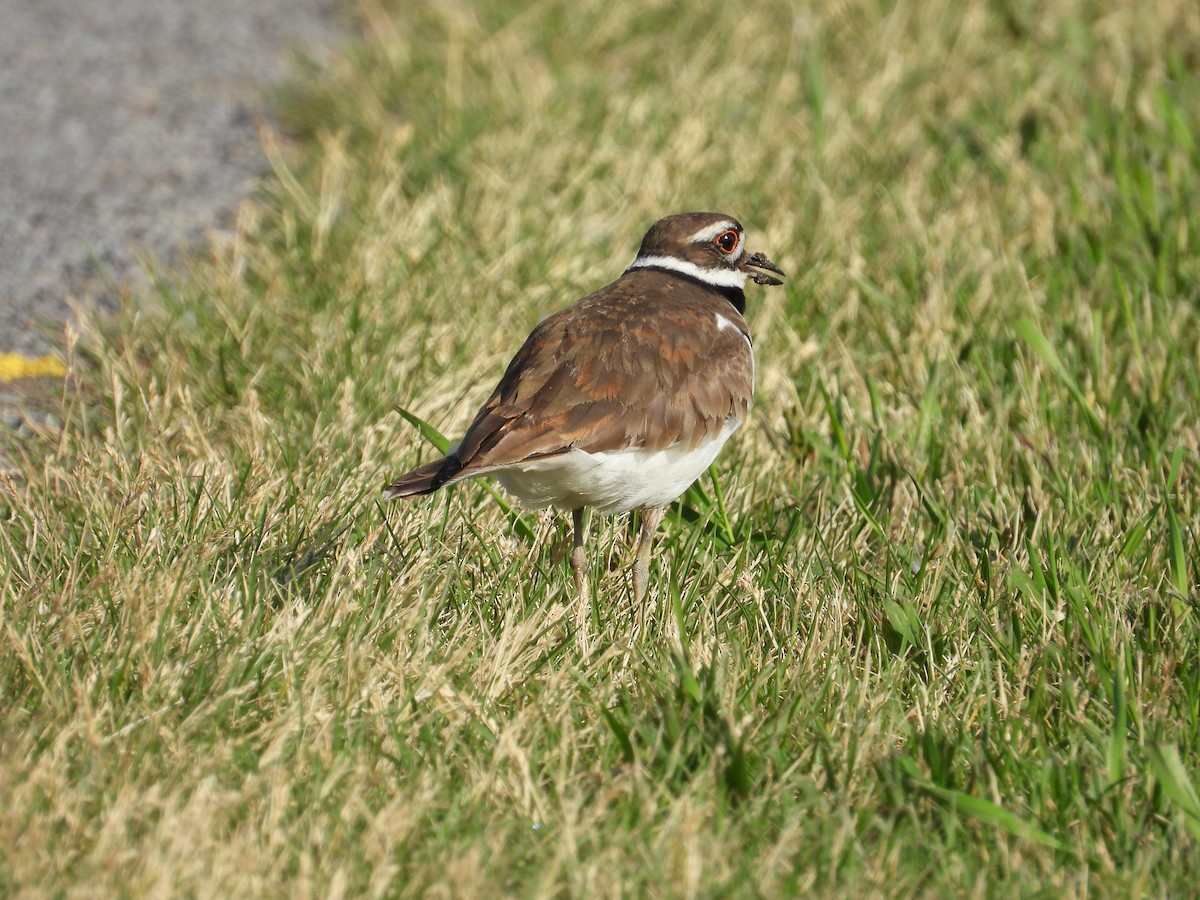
(642, 362)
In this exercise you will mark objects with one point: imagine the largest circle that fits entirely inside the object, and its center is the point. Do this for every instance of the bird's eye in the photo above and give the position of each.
(726, 241)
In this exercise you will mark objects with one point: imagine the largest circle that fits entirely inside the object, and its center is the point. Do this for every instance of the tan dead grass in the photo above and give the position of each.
(232, 675)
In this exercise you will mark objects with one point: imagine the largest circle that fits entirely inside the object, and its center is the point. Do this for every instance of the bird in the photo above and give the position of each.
(622, 400)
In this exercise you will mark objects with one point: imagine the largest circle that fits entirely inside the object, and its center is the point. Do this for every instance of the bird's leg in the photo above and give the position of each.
(650, 517)
(579, 563)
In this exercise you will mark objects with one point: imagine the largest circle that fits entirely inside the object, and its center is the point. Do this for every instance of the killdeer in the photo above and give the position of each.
(624, 399)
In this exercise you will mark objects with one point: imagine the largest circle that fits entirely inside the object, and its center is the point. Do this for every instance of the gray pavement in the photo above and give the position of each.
(128, 127)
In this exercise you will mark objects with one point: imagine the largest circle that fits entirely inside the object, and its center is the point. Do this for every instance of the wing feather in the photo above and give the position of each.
(637, 363)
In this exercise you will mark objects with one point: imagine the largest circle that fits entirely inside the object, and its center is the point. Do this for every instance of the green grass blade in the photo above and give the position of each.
(1168, 770)
(1116, 740)
(440, 442)
(1176, 554)
(1029, 332)
(994, 815)
(722, 513)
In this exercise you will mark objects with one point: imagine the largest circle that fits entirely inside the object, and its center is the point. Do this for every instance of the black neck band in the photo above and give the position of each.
(735, 295)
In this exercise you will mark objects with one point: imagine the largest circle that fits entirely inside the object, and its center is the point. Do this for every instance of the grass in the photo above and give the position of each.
(929, 628)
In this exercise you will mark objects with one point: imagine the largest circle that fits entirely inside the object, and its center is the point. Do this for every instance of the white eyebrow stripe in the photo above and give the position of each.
(730, 278)
(707, 234)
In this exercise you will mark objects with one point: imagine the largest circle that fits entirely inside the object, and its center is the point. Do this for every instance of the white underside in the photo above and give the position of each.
(613, 481)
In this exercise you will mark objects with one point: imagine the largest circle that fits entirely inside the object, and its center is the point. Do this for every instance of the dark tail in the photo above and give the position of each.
(425, 480)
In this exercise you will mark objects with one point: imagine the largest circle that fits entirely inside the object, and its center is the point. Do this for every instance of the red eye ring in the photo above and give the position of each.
(726, 241)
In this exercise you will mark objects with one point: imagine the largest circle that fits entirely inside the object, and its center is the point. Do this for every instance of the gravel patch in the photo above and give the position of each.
(128, 128)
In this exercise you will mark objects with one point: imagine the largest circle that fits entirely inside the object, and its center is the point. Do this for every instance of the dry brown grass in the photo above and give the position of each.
(940, 637)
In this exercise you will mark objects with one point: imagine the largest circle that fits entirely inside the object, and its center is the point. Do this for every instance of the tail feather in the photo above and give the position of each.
(424, 480)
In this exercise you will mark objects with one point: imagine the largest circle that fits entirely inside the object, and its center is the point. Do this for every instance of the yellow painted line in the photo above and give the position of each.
(14, 366)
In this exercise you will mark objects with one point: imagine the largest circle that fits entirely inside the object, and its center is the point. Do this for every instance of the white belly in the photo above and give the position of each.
(614, 481)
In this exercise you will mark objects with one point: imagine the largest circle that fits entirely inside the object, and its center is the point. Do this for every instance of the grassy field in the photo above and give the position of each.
(929, 628)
